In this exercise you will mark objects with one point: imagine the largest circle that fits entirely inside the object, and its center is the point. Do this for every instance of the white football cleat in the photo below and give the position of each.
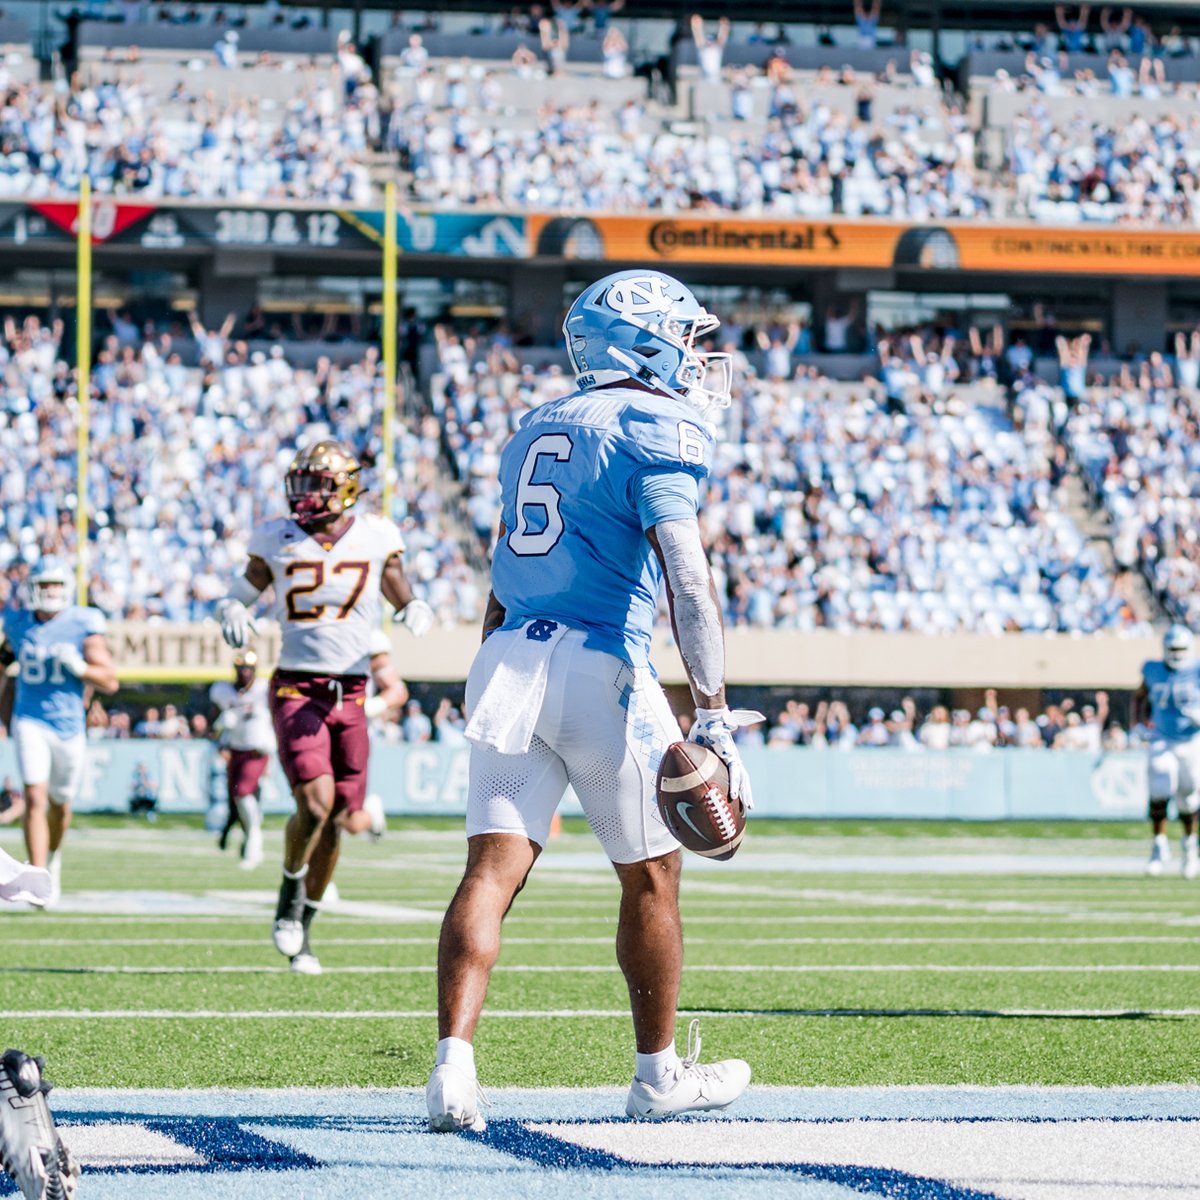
(1160, 856)
(31, 1151)
(252, 851)
(696, 1087)
(332, 895)
(453, 1098)
(373, 807)
(306, 963)
(54, 866)
(288, 937)
(1191, 858)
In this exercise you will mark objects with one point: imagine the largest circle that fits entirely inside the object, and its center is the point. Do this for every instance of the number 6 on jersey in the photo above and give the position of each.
(534, 537)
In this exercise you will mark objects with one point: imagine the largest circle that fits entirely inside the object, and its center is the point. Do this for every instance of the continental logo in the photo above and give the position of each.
(669, 237)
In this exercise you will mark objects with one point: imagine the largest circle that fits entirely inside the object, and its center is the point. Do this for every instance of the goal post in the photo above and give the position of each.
(83, 382)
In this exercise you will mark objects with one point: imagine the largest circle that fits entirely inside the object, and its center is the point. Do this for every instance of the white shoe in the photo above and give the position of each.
(306, 963)
(31, 1151)
(373, 807)
(252, 852)
(332, 895)
(288, 937)
(696, 1087)
(453, 1098)
(1191, 859)
(54, 866)
(1160, 856)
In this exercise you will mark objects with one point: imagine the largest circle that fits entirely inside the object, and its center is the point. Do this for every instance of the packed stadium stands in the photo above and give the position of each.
(186, 459)
(479, 119)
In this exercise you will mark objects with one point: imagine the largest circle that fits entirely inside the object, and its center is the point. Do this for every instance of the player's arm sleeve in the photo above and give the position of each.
(695, 613)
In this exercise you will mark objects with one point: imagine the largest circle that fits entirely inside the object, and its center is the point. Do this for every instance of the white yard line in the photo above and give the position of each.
(204, 1014)
(431, 940)
(695, 968)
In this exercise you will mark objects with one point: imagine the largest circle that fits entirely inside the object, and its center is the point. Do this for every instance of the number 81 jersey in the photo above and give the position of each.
(327, 599)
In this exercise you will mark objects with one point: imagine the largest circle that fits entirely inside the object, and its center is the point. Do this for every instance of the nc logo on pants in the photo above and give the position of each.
(540, 631)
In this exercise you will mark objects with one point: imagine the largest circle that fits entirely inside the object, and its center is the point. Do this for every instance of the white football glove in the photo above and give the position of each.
(374, 706)
(70, 659)
(236, 622)
(417, 617)
(714, 728)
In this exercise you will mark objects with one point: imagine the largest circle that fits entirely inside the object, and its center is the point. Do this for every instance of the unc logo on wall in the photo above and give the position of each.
(640, 297)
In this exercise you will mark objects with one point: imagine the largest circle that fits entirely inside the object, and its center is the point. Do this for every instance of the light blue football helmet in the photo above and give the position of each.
(1177, 647)
(643, 325)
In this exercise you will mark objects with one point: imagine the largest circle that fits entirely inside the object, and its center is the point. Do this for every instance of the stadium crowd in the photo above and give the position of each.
(784, 144)
(895, 504)
(185, 461)
(1065, 725)
(225, 144)
(1061, 726)
(1135, 434)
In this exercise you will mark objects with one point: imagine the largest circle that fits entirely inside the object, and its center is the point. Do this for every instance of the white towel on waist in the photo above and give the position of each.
(518, 663)
(19, 882)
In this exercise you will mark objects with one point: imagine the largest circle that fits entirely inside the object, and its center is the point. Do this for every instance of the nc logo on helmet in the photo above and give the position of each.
(642, 297)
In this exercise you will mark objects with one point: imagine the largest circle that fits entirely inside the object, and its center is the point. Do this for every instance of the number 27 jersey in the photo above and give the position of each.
(327, 599)
(581, 480)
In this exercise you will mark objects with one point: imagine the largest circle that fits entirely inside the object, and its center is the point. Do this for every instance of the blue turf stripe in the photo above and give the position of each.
(516, 1139)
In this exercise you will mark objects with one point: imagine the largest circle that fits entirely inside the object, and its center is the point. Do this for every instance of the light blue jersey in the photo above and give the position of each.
(46, 691)
(582, 479)
(1174, 700)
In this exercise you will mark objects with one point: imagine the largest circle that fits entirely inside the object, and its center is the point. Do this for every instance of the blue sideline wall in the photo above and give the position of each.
(799, 782)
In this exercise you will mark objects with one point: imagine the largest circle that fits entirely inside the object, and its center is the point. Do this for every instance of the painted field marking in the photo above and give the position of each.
(696, 968)
(201, 1014)
(917, 1143)
(432, 939)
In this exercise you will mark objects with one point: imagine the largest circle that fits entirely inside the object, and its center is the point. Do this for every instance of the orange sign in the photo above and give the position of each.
(1086, 250)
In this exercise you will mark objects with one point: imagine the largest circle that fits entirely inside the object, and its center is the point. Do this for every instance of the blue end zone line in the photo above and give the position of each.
(516, 1139)
(228, 1147)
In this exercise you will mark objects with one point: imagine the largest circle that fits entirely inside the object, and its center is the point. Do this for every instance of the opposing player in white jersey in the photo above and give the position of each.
(600, 492)
(327, 567)
(1171, 688)
(60, 655)
(246, 737)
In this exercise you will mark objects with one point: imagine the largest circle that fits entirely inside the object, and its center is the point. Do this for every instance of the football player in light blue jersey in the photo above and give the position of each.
(1171, 689)
(599, 500)
(57, 654)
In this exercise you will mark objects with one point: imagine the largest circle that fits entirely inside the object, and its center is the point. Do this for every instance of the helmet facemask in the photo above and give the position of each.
(312, 496)
(705, 380)
(322, 483)
(1177, 647)
(50, 596)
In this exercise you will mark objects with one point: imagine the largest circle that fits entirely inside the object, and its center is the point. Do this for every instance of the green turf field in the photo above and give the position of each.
(826, 953)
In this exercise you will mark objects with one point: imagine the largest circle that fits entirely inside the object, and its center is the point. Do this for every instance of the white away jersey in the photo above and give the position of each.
(246, 716)
(327, 599)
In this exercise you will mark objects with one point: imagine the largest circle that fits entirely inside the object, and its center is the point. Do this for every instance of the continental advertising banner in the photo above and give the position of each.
(1025, 249)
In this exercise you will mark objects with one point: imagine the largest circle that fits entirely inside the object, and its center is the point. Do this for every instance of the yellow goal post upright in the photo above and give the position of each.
(83, 382)
(388, 322)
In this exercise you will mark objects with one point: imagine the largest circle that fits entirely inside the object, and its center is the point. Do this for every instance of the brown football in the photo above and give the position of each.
(693, 798)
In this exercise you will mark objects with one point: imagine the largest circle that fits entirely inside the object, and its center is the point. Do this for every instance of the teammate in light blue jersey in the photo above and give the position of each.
(58, 654)
(599, 498)
(1171, 689)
